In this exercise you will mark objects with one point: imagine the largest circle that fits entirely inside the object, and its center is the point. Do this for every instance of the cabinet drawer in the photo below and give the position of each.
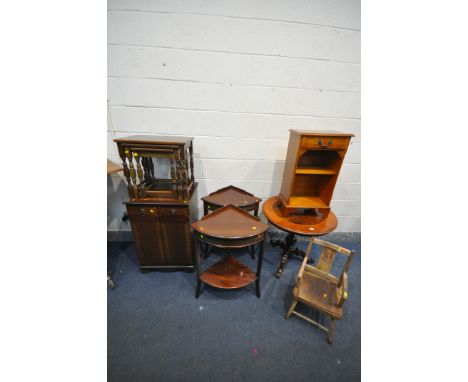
(142, 211)
(172, 211)
(324, 142)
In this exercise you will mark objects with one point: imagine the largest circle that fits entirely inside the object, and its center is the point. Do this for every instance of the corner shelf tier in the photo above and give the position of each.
(228, 273)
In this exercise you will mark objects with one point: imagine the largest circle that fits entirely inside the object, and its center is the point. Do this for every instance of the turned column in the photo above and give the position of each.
(132, 172)
(126, 172)
(173, 172)
(140, 186)
(191, 162)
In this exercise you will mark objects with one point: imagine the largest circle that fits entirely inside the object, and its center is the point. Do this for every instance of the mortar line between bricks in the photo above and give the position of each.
(240, 159)
(235, 85)
(316, 25)
(249, 180)
(234, 112)
(241, 53)
(254, 160)
(216, 137)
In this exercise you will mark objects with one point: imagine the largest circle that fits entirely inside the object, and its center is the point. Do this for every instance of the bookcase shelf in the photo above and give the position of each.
(305, 201)
(315, 171)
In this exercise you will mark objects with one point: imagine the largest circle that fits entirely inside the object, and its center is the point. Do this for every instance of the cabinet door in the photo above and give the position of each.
(176, 235)
(148, 238)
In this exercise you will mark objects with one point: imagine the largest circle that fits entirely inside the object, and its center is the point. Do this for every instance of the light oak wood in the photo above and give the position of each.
(306, 202)
(313, 163)
(300, 223)
(315, 171)
(319, 289)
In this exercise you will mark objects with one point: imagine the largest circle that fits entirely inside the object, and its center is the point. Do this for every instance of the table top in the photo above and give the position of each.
(168, 139)
(230, 222)
(305, 225)
(321, 132)
(231, 195)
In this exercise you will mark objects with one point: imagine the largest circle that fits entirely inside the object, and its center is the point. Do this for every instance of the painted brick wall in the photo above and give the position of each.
(236, 75)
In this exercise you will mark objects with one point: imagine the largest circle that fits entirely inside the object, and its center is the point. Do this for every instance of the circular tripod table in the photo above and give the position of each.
(295, 224)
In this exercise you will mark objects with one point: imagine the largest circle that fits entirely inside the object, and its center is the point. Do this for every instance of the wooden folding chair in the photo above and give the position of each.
(318, 288)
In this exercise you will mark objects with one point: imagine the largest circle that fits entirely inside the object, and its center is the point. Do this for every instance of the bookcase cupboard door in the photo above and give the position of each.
(148, 240)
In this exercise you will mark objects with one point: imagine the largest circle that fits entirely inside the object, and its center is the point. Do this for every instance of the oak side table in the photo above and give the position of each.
(304, 224)
(229, 228)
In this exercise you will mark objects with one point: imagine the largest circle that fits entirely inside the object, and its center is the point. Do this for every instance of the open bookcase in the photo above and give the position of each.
(312, 166)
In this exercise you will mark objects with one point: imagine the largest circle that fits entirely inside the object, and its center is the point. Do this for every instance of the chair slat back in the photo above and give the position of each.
(328, 255)
(326, 259)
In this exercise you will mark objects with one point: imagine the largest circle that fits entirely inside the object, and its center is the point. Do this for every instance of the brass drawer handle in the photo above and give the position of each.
(143, 212)
(173, 211)
(320, 142)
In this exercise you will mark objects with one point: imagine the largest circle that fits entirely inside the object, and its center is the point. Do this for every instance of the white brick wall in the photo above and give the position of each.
(236, 75)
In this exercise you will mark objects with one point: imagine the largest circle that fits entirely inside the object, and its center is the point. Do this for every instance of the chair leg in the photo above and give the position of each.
(331, 331)
(293, 305)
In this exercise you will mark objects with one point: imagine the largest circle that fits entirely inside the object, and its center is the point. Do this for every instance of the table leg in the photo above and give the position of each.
(259, 268)
(206, 250)
(288, 251)
(197, 266)
(252, 251)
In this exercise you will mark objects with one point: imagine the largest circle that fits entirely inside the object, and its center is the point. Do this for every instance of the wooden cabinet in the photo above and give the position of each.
(313, 163)
(162, 234)
(148, 240)
(163, 198)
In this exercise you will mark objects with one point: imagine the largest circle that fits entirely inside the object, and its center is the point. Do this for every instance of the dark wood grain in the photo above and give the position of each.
(230, 223)
(160, 210)
(232, 195)
(228, 273)
(229, 228)
(162, 233)
(144, 183)
(155, 139)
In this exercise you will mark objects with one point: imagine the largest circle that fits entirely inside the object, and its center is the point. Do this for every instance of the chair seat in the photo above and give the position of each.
(319, 293)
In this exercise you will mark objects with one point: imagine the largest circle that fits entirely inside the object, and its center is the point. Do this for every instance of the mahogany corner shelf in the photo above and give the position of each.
(234, 196)
(229, 228)
(231, 195)
(228, 273)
